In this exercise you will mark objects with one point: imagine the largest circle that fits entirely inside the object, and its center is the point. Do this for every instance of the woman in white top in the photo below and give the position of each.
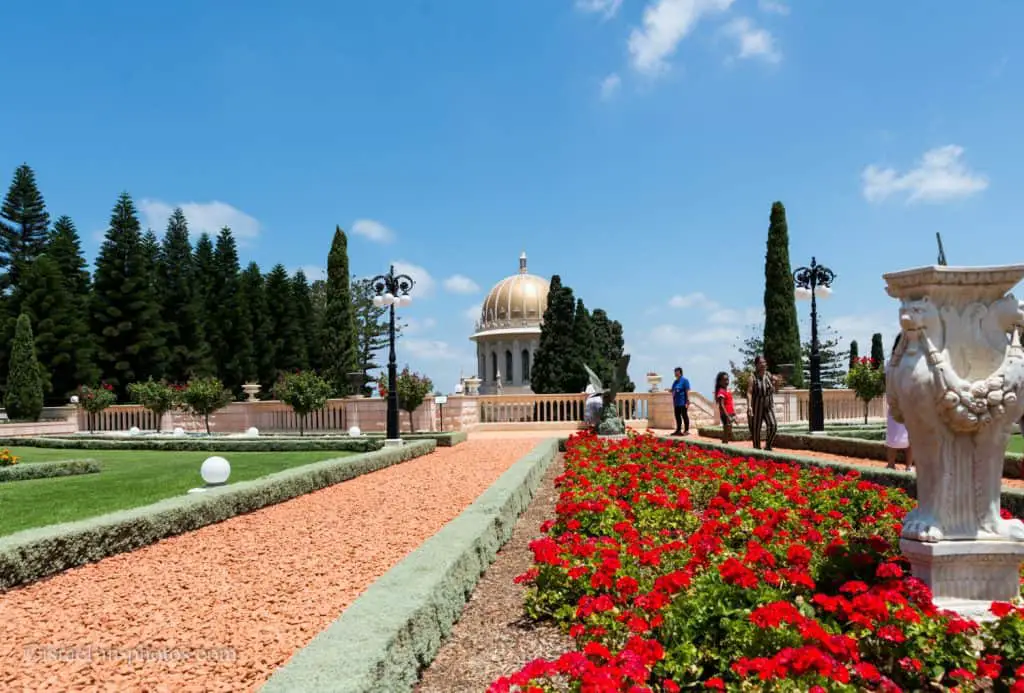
(896, 436)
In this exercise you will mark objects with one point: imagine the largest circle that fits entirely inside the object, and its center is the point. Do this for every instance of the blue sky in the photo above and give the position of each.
(633, 147)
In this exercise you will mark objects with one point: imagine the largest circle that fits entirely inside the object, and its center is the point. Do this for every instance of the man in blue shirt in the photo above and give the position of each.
(681, 402)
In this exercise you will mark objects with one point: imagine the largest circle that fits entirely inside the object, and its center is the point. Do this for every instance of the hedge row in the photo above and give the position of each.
(445, 439)
(46, 470)
(339, 444)
(36, 553)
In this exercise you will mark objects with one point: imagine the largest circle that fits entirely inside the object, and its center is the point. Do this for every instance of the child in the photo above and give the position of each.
(726, 408)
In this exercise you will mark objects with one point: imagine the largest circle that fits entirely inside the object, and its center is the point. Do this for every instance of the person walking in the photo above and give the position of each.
(896, 436)
(681, 403)
(761, 412)
(726, 407)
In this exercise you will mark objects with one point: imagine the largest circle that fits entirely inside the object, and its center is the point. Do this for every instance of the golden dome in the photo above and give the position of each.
(516, 301)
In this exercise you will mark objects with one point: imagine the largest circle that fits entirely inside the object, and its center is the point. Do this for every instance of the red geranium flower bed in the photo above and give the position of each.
(675, 569)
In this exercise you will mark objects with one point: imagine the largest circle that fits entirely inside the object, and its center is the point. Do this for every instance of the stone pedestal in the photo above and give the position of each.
(393, 442)
(967, 576)
(251, 390)
(472, 387)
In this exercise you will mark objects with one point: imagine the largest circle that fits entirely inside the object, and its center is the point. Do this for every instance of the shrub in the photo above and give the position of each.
(7, 459)
(157, 397)
(413, 388)
(867, 381)
(24, 397)
(204, 396)
(94, 400)
(305, 392)
(48, 470)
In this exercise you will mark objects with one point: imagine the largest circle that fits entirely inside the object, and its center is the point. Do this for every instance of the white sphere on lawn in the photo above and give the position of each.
(178, 431)
(355, 432)
(215, 470)
(134, 431)
(74, 399)
(252, 432)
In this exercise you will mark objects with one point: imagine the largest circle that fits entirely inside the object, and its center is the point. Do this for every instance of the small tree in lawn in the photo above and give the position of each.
(413, 388)
(157, 397)
(305, 392)
(94, 400)
(203, 396)
(24, 398)
(867, 381)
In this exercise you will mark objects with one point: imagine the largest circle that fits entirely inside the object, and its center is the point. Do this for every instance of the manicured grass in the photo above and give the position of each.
(128, 479)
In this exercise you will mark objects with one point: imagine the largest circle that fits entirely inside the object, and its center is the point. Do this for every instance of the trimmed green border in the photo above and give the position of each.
(39, 552)
(48, 470)
(445, 439)
(396, 627)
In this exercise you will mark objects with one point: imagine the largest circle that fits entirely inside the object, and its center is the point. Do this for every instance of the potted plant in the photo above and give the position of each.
(653, 379)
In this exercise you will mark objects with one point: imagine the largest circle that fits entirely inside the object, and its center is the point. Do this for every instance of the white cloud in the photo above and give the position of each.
(694, 300)
(373, 230)
(203, 217)
(676, 335)
(312, 272)
(605, 8)
(665, 24)
(461, 284)
(773, 7)
(731, 316)
(752, 41)
(429, 350)
(940, 176)
(861, 326)
(423, 283)
(414, 326)
(473, 312)
(610, 86)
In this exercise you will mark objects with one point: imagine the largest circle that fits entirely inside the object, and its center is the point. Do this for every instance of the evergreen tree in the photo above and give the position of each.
(618, 350)
(24, 224)
(283, 328)
(226, 340)
(126, 313)
(556, 351)
(152, 261)
(877, 350)
(188, 354)
(24, 397)
(781, 330)
(204, 270)
(258, 365)
(338, 336)
(833, 359)
(586, 351)
(308, 338)
(65, 248)
(371, 328)
(61, 329)
(854, 353)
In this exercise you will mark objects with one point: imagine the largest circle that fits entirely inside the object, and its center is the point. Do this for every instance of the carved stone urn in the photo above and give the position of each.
(956, 380)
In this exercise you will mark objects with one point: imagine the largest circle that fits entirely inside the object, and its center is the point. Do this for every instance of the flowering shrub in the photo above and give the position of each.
(412, 388)
(157, 397)
(204, 396)
(676, 568)
(7, 459)
(867, 380)
(94, 400)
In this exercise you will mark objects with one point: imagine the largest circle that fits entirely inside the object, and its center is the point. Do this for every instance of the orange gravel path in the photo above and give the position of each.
(220, 608)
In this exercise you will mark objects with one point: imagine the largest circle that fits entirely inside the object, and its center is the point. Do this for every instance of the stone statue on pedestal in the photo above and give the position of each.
(611, 424)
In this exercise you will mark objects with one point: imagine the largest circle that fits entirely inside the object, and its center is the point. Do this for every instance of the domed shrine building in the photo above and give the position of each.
(508, 333)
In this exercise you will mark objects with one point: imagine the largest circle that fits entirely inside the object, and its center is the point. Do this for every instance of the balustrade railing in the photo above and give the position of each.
(841, 405)
(567, 409)
(120, 417)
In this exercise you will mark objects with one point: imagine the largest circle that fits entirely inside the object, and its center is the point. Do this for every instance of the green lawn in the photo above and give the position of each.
(128, 479)
(1016, 443)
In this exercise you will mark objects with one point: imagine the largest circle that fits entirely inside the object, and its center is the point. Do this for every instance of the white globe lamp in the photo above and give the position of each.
(802, 294)
(388, 298)
(74, 399)
(405, 300)
(252, 432)
(134, 431)
(823, 292)
(378, 301)
(178, 432)
(215, 471)
(354, 432)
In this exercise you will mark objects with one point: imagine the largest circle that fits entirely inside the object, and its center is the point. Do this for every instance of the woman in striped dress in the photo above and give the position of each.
(761, 405)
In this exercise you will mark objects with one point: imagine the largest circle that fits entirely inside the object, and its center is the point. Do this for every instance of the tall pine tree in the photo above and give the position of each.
(338, 336)
(372, 328)
(556, 351)
(226, 338)
(24, 227)
(610, 347)
(309, 340)
(781, 329)
(259, 364)
(204, 270)
(188, 353)
(285, 336)
(586, 351)
(125, 310)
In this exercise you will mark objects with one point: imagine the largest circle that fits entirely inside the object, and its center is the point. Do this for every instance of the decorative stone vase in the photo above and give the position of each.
(472, 386)
(653, 379)
(956, 382)
(251, 390)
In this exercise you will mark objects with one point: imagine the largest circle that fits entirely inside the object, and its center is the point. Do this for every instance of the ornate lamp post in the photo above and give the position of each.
(812, 282)
(392, 290)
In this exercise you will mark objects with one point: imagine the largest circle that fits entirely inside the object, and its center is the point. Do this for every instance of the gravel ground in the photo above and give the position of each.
(220, 608)
(494, 637)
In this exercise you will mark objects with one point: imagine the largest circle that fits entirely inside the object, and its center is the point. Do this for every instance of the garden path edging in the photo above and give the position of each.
(395, 628)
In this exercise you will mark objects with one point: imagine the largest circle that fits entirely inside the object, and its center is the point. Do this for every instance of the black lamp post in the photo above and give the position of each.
(812, 278)
(392, 290)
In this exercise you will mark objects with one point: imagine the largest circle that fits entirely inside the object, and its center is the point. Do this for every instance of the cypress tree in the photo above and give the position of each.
(585, 351)
(61, 330)
(308, 339)
(203, 273)
(285, 336)
(877, 350)
(188, 353)
(781, 330)
(24, 224)
(556, 351)
(24, 397)
(126, 313)
(259, 364)
(338, 336)
(65, 249)
(226, 339)
(854, 353)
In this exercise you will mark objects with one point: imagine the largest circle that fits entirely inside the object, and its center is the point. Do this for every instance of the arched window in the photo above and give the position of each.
(508, 366)
(494, 367)
(526, 366)
(481, 371)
